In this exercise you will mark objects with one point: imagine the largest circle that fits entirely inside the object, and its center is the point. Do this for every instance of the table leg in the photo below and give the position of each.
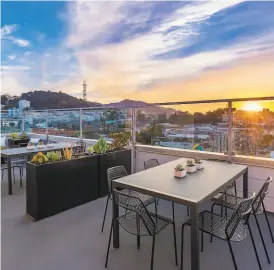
(245, 184)
(9, 175)
(195, 252)
(115, 215)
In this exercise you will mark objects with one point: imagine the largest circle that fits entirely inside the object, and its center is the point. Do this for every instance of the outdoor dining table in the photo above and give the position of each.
(23, 151)
(192, 190)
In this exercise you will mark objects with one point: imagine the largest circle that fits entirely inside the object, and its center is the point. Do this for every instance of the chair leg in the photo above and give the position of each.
(202, 236)
(261, 235)
(266, 217)
(13, 175)
(211, 237)
(232, 255)
(173, 212)
(21, 176)
(138, 231)
(105, 214)
(254, 246)
(109, 240)
(182, 247)
(152, 253)
(175, 243)
(187, 209)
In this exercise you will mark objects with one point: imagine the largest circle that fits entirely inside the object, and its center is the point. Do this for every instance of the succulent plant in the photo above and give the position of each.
(14, 136)
(54, 156)
(179, 167)
(198, 161)
(101, 146)
(90, 150)
(68, 153)
(120, 140)
(190, 163)
(39, 158)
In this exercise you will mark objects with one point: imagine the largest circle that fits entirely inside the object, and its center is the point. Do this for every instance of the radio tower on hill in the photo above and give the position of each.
(84, 90)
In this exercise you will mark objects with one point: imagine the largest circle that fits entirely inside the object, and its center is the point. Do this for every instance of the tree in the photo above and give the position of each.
(162, 118)
(145, 136)
(140, 116)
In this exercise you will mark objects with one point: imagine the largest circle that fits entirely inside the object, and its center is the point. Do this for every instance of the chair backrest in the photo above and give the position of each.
(115, 173)
(261, 195)
(82, 144)
(137, 214)
(151, 163)
(241, 213)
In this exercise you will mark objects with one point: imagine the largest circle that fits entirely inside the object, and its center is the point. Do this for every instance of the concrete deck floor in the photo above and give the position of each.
(72, 241)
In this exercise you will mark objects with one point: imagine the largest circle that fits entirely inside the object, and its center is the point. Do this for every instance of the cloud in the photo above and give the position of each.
(8, 29)
(12, 56)
(6, 32)
(15, 68)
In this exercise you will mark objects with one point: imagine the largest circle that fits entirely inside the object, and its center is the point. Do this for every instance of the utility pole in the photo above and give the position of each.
(84, 90)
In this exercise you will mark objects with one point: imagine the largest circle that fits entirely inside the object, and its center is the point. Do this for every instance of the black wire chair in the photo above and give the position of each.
(13, 166)
(139, 221)
(224, 228)
(151, 163)
(232, 202)
(232, 186)
(118, 172)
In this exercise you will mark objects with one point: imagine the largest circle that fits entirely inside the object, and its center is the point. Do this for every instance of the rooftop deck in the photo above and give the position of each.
(72, 240)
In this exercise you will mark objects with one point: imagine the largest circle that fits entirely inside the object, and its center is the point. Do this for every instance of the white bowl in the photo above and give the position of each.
(41, 146)
(179, 174)
(191, 169)
(50, 145)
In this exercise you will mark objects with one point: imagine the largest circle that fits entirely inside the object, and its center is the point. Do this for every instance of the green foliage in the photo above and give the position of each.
(14, 136)
(145, 136)
(179, 167)
(90, 150)
(24, 136)
(2, 147)
(101, 146)
(54, 156)
(120, 140)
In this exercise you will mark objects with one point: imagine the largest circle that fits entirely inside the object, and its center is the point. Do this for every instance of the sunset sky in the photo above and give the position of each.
(150, 51)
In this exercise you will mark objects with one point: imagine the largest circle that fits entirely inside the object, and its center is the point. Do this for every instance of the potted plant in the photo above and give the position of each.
(199, 164)
(179, 171)
(30, 146)
(17, 139)
(112, 155)
(57, 182)
(190, 166)
(41, 145)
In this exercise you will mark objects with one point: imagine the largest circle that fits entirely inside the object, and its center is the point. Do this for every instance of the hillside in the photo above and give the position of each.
(46, 100)
(147, 109)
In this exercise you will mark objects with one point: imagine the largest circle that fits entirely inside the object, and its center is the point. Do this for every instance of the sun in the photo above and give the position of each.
(252, 107)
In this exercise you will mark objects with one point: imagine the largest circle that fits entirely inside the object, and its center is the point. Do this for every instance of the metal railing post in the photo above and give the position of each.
(23, 122)
(81, 124)
(133, 141)
(47, 124)
(229, 131)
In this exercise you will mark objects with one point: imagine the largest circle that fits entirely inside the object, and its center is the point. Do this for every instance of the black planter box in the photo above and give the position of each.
(108, 160)
(12, 142)
(55, 187)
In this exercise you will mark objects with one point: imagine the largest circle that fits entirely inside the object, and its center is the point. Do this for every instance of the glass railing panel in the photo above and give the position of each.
(11, 121)
(253, 128)
(35, 122)
(201, 127)
(64, 123)
(102, 122)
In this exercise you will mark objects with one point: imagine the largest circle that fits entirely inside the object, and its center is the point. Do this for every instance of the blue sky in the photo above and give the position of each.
(138, 50)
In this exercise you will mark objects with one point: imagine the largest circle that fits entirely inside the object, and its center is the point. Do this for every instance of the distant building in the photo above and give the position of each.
(13, 112)
(23, 105)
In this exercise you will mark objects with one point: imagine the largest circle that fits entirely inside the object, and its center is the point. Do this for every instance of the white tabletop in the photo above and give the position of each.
(25, 151)
(193, 188)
